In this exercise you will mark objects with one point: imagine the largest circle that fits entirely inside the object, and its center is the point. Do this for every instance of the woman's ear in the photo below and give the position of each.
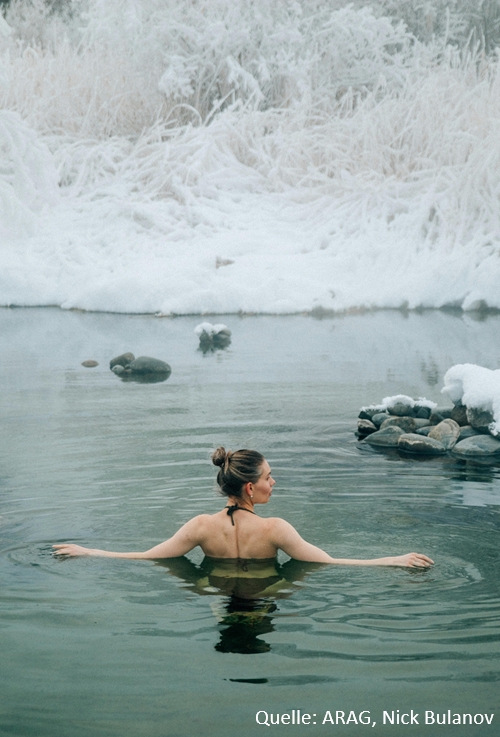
(248, 488)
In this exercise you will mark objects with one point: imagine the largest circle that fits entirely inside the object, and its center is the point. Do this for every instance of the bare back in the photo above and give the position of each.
(249, 537)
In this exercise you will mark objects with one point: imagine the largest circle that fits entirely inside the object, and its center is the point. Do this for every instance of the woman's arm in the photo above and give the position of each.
(286, 538)
(184, 540)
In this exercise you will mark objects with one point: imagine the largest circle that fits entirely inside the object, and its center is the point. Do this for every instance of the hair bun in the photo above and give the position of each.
(219, 456)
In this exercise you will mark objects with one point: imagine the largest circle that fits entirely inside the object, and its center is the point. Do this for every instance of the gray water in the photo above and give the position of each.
(96, 647)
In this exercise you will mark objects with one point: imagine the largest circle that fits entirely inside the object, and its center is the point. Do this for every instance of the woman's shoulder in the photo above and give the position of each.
(276, 523)
(199, 522)
(206, 521)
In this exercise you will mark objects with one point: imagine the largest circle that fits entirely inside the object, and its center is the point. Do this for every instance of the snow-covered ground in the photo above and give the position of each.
(215, 158)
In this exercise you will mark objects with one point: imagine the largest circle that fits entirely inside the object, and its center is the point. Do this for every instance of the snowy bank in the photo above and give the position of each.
(190, 158)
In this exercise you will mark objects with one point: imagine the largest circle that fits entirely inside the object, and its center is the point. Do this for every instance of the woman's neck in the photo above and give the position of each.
(241, 502)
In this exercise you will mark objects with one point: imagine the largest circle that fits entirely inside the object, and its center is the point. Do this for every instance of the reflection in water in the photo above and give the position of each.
(210, 342)
(249, 589)
(478, 469)
(241, 621)
(430, 372)
(151, 378)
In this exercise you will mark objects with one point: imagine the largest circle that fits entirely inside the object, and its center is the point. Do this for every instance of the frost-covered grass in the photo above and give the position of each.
(320, 145)
(119, 67)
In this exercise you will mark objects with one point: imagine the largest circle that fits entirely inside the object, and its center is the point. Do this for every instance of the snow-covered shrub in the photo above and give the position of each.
(122, 66)
(27, 175)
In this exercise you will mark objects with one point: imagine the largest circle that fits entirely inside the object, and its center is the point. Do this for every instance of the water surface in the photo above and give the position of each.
(126, 648)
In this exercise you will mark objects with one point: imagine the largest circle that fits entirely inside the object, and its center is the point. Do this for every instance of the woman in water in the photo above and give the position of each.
(236, 532)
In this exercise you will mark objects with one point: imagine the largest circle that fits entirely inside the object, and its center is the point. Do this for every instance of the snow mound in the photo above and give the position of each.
(209, 329)
(402, 399)
(477, 388)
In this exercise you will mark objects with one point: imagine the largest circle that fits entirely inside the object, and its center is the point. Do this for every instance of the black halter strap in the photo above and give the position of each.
(232, 509)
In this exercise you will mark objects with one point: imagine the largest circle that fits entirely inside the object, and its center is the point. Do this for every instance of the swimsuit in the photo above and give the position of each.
(232, 509)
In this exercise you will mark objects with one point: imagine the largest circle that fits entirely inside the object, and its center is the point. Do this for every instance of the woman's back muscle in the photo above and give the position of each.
(249, 537)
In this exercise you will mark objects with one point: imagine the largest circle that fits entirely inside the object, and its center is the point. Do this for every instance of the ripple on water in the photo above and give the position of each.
(444, 613)
(34, 555)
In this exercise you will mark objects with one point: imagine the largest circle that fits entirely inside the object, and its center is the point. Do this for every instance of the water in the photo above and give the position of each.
(112, 647)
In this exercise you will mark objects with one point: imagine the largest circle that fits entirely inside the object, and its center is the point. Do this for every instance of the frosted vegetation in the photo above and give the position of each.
(326, 155)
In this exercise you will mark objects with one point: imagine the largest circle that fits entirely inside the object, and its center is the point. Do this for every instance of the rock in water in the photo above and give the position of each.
(367, 413)
(479, 418)
(124, 360)
(424, 430)
(365, 427)
(422, 413)
(400, 409)
(387, 438)
(479, 446)
(413, 443)
(222, 339)
(89, 363)
(407, 424)
(147, 365)
(439, 414)
(212, 337)
(467, 431)
(446, 432)
(459, 414)
(379, 418)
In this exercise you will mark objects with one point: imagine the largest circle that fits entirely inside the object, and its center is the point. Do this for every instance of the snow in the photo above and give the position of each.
(477, 388)
(233, 157)
(5, 29)
(402, 399)
(209, 329)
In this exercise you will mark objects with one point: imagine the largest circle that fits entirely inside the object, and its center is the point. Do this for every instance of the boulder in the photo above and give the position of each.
(387, 438)
(467, 431)
(400, 409)
(407, 424)
(414, 443)
(479, 418)
(124, 360)
(439, 414)
(422, 412)
(459, 414)
(147, 365)
(118, 369)
(222, 339)
(379, 418)
(446, 432)
(365, 427)
(367, 413)
(89, 363)
(424, 430)
(478, 446)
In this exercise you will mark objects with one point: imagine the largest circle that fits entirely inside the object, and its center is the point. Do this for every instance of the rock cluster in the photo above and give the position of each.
(143, 368)
(212, 337)
(419, 427)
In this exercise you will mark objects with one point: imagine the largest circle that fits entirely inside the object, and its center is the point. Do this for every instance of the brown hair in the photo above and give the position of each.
(237, 469)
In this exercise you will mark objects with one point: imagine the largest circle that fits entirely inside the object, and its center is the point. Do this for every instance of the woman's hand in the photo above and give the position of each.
(411, 560)
(71, 550)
